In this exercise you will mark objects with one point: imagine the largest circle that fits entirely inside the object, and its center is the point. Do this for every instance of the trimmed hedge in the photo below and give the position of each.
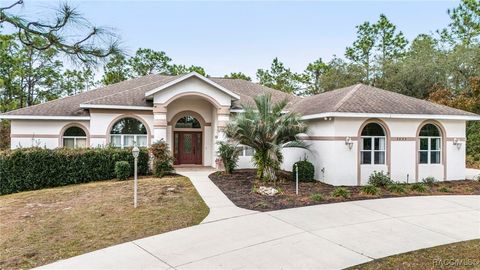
(306, 171)
(37, 168)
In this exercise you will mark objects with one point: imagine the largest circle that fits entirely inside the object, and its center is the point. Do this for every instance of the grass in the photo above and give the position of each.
(39, 227)
(463, 255)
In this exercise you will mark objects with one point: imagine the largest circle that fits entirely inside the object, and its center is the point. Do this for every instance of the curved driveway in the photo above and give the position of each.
(331, 236)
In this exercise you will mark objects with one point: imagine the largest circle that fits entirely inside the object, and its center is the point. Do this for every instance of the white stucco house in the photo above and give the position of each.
(353, 131)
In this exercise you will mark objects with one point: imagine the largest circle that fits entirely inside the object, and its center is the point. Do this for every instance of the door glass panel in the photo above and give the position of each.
(187, 143)
(176, 144)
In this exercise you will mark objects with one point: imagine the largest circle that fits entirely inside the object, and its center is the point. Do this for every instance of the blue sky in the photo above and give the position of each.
(243, 36)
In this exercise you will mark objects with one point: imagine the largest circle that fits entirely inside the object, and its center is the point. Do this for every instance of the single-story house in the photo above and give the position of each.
(353, 131)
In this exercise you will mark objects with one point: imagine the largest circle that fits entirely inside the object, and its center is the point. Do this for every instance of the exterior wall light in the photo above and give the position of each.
(349, 143)
(457, 143)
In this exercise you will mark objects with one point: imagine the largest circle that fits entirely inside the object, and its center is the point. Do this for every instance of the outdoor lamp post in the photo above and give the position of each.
(135, 153)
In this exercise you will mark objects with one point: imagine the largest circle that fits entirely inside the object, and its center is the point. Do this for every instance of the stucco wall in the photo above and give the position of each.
(41, 133)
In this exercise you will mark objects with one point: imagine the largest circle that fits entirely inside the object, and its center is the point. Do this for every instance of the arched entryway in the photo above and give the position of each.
(188, 133)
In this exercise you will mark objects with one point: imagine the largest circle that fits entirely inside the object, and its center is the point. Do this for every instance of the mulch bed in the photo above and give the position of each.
(239, 188)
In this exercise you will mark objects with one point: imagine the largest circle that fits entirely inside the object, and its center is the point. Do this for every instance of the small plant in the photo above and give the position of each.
(396, 187)
(122, 170)
(229, 155)
(341, 192)
(444, 189)
(163, 160)
(370, 190)
(430, 181)
(316, 197)
(306, 170)
(379, 179)
(418, 187)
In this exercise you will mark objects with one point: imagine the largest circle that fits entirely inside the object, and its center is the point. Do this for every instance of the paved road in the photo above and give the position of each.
(331, 236)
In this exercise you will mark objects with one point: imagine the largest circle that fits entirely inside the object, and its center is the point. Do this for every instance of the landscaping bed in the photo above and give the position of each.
(241, 186)
(43, 226)
(461, 255)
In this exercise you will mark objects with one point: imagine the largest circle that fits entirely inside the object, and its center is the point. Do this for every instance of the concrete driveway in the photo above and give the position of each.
(331, 236)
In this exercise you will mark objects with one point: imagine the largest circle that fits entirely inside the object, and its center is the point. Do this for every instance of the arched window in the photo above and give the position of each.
(373, 144)
(74, 137)
(128, 132)
(187, 122)
(430, 144)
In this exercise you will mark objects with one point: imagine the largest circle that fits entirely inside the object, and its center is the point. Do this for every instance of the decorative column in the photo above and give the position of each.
(159, 122)
(223, 116)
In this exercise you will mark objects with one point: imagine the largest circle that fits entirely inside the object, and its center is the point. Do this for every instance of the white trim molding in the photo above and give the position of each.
(189, 75)
(386, 115)
(115, 107)
(43, 117)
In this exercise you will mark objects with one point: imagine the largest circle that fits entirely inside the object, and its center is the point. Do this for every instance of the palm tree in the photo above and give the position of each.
(267, 128)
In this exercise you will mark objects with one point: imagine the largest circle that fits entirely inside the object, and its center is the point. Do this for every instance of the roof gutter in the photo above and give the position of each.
(42, 117)
(393, 116)
(115, 107)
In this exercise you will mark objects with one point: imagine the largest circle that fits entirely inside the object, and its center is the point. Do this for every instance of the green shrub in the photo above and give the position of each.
(229, 155)
(162, 158)
(379, 179)
(370, 190)
(122, 170)
(397, 187)
(37, 168)
(444, 189)
(341, 192)
(306, 170)
(316, 197)
(430, 181)
(418, 187)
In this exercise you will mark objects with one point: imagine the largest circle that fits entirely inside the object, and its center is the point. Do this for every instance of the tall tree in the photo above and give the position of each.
(238, 75)
(148, 61)
(390, 46)
(68, 32)
(279, 77)
(116, 70)
(362, 50)
(76, 81)
(312, 77)
(182, 69)
(464, 27)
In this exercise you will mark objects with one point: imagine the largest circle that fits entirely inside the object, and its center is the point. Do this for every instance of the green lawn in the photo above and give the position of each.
(39, 227)
(461, 255)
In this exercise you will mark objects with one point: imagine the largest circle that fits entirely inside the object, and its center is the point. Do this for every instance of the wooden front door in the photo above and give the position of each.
(188, 147)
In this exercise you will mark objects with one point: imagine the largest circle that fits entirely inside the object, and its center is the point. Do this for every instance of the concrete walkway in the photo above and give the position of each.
(331, 236)
(220, 206)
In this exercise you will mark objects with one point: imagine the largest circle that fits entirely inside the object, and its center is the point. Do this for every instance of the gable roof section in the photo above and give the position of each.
(363, 99)
(149, 94)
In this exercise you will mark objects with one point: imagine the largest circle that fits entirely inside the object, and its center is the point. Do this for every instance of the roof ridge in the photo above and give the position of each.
(116, 93)
(346, 97)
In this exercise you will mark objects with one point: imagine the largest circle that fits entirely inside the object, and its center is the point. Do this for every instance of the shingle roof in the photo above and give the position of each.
(362, 98)
(358, 98)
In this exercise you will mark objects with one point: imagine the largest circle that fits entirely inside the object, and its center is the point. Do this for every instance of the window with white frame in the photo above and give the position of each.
(430, 151)
(245, 151)
(128, 132)
(74, 137)
(373, 144)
